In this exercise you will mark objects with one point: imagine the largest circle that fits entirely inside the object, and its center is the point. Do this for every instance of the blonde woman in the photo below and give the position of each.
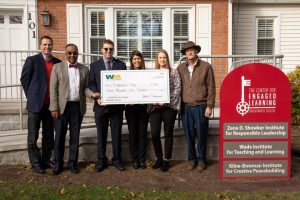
(166, 113)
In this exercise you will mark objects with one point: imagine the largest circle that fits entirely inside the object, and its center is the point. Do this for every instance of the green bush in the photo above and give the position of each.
(294, 78)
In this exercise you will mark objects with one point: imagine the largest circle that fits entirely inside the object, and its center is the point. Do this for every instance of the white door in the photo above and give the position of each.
(13, 37)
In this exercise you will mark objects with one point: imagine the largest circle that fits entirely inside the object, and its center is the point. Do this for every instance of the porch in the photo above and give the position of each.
(13, 119)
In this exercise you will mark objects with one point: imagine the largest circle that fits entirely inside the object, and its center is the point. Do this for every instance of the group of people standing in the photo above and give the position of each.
(56, 94)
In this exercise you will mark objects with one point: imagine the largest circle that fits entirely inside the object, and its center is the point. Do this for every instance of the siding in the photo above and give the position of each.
(287, 30)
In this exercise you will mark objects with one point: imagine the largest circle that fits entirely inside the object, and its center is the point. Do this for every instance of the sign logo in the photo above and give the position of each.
(113, 77)
(258, 100)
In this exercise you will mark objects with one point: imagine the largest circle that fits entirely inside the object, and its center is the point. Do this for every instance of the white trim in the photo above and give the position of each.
(16, 2)
(277, 36)
(230, 15)
(230, 28)
(137, 6)
(167, 21)
(110, 19)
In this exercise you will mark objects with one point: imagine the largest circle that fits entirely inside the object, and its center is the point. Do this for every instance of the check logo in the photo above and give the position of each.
(113, 77)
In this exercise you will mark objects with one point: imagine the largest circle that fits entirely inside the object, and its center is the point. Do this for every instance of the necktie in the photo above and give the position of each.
(72, 65)
(108, 65)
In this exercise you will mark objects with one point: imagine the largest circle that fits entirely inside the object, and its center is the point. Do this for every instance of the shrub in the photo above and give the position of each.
(294, 78)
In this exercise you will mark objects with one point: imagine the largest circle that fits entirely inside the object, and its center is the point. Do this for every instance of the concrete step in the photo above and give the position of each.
(10, 116)
(13, 145)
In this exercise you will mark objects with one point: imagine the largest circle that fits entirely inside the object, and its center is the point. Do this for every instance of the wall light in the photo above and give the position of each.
(46, 18)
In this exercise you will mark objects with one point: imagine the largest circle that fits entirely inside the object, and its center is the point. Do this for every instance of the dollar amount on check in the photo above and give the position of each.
(135, 86)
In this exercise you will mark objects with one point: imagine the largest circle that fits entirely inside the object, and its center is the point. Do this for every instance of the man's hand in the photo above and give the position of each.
(100, 103)
(208, 112)
(55, 114)
(95, 95)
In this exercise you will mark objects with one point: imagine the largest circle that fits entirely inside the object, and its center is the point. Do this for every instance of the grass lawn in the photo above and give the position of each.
(40, 191)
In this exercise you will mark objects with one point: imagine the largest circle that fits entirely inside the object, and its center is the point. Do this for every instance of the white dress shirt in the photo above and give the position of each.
(74, 78)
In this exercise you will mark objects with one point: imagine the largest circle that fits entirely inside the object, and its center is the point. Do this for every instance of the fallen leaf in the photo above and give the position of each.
(180, 179)
(132, 194)
(90, 167)
(62, 191)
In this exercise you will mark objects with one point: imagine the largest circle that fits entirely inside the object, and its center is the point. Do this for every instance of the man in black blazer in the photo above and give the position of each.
(35, 79)
(105, 114)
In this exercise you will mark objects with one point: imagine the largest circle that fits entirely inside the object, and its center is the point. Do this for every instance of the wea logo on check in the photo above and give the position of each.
(113, 77)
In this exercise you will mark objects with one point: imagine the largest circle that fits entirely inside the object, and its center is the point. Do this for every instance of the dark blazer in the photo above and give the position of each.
(95, 82)
(34, 81)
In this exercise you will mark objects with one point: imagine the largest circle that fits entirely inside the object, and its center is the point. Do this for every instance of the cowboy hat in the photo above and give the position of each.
(188, 45)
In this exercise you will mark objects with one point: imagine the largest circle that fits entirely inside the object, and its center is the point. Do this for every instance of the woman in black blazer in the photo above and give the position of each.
(137, 120)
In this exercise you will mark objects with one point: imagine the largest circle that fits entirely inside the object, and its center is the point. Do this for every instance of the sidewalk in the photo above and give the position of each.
(177, 178)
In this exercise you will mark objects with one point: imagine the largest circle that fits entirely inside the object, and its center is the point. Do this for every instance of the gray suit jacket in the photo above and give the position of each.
(59, 87)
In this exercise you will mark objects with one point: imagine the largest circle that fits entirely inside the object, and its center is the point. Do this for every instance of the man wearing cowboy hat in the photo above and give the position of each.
(198, 96)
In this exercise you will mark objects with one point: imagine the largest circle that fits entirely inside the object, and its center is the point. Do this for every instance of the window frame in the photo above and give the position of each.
(139, 31)
(276, 33)
(167, 21)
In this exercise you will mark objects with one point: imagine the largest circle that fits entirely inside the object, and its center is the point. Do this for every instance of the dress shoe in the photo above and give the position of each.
(135, 165)
(157, 163)
(192, 165)
(201, 167)
(74, 169)
(56, 171)
(38, 170)
(48, 165)
(143, 165)
(100, 167)
(165, 166)
(119, 167)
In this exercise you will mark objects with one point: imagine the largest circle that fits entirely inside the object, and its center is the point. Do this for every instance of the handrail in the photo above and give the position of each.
(252, 58)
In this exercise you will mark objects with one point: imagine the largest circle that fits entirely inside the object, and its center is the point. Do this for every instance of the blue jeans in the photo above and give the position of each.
(195, 124)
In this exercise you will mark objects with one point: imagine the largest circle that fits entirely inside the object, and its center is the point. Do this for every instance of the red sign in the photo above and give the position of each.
(255, 116)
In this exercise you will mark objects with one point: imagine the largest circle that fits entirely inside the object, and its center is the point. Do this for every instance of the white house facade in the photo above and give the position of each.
(266, 28)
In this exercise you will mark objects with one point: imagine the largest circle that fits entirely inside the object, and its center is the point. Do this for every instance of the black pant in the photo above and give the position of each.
(168, 116)
(37, 158)
(115, 117)
(72, 117)
(137, 120)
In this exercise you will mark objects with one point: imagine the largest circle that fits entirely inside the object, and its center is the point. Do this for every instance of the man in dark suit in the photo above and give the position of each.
(68, 92)
(105, 114)
(35, 79)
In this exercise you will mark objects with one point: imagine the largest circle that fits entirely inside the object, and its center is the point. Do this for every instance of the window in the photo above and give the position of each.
(97, 32)
(181, 32)
(140, 30)
(265, 36)
(1, 19)
(13, 19)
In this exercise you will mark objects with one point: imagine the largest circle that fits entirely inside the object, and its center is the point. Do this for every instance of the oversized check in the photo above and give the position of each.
(135, 86)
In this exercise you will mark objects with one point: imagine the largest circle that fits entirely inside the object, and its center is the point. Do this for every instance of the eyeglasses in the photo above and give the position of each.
(72, 53)
(110, 49)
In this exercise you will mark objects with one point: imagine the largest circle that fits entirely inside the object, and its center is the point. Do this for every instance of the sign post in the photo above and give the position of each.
(255, 123)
